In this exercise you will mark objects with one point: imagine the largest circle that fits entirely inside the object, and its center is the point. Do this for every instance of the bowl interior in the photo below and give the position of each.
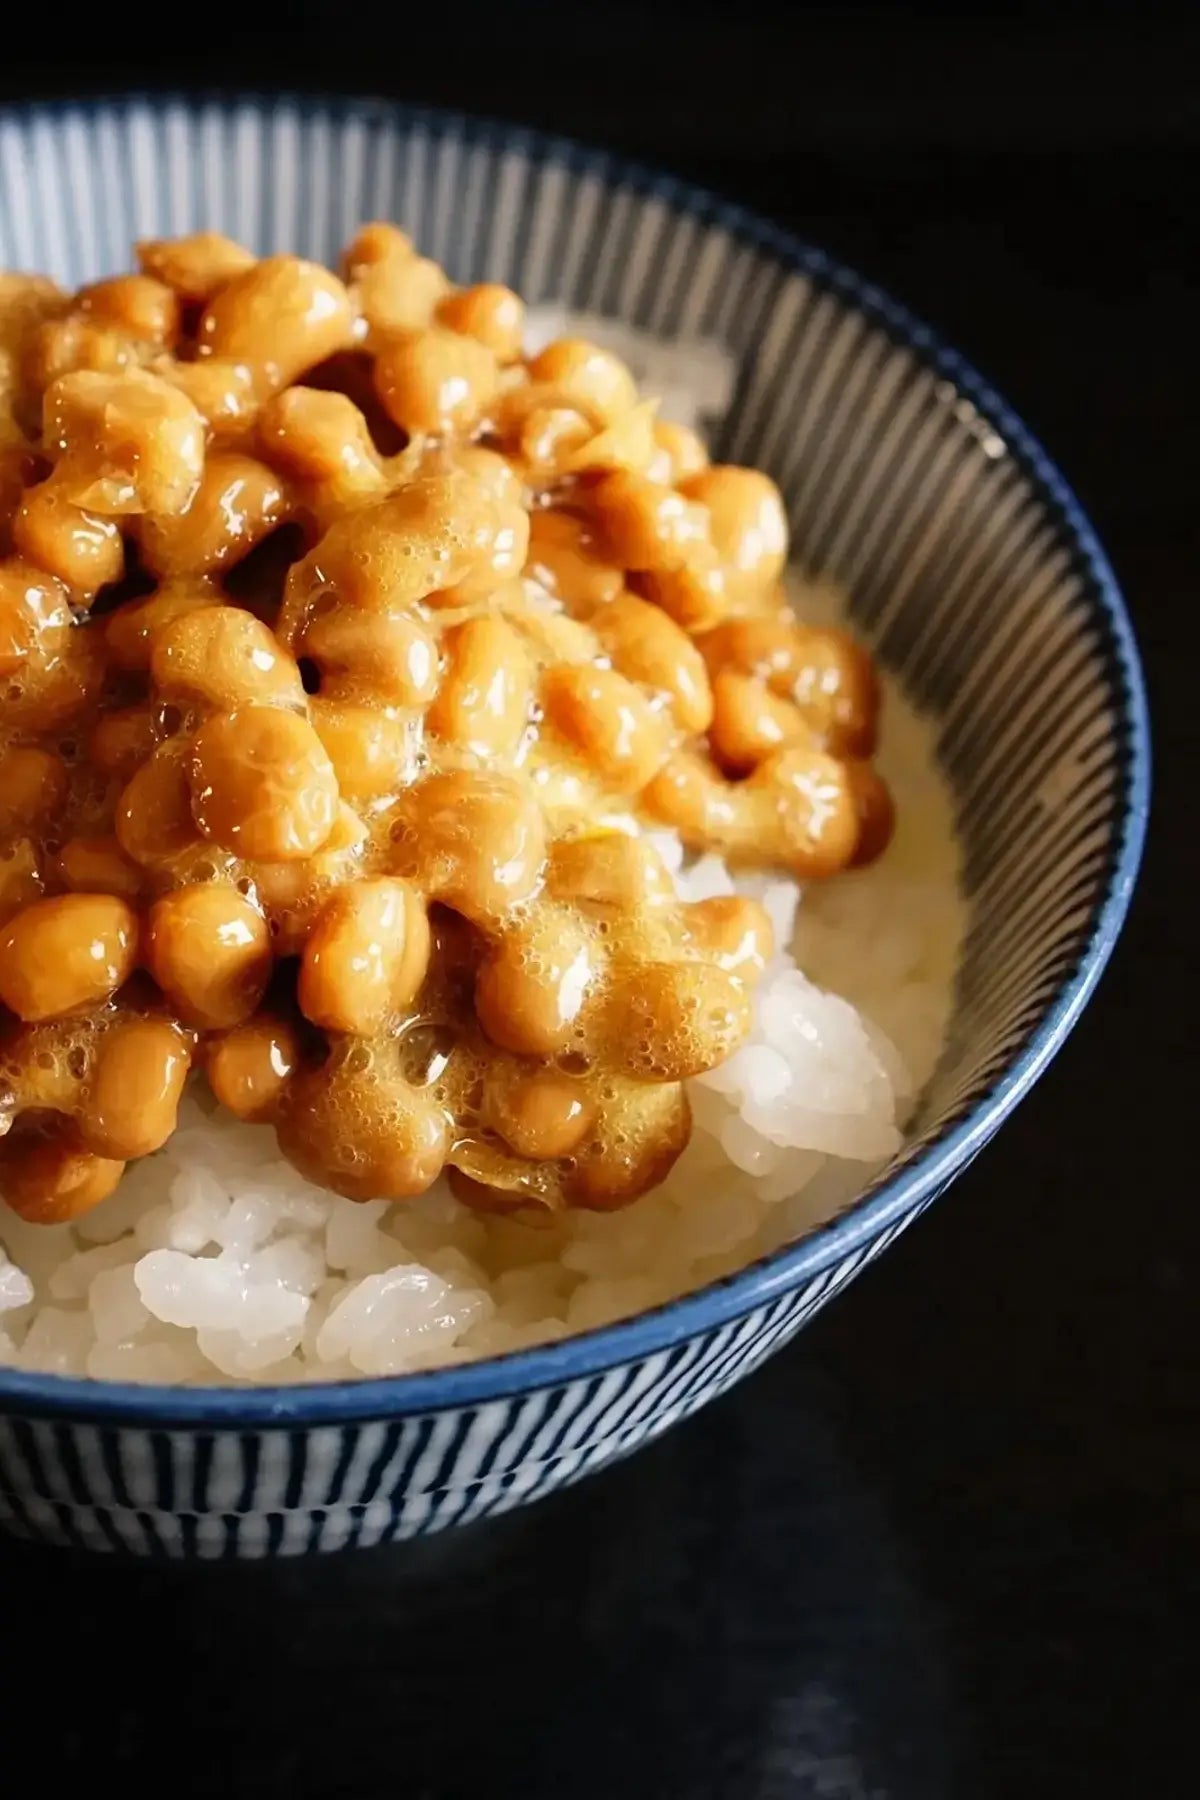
(972, 574)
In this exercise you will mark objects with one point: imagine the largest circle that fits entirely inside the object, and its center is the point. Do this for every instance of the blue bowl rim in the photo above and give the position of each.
(885, 1203)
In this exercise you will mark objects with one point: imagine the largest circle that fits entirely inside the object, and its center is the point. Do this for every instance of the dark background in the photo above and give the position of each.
(947, 1546)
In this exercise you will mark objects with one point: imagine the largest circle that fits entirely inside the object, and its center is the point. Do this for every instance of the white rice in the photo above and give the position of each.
(216, 1262)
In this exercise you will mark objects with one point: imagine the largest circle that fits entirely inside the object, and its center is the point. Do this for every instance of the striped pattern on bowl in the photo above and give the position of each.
(974, 576)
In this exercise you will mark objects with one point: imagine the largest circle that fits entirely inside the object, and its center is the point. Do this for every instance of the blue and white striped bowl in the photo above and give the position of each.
(974, 574)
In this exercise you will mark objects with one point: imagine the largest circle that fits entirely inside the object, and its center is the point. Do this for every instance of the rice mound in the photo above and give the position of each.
(215, 1262)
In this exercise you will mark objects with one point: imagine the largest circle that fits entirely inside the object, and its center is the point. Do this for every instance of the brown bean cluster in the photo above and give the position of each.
(339, 642)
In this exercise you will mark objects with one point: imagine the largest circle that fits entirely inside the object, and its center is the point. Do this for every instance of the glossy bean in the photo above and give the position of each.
(66, 952)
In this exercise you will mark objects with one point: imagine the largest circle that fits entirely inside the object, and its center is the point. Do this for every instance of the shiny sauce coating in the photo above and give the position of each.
(343, 650)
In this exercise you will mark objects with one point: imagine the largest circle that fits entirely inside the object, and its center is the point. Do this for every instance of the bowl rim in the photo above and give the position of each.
(886, 1203)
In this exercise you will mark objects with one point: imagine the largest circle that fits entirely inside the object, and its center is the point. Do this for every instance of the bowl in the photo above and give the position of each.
(974, 575)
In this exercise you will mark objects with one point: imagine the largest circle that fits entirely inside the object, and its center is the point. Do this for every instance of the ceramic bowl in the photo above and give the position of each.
(975, 577)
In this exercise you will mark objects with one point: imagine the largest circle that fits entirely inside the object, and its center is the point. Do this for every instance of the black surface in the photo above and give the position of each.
(947, 1546)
